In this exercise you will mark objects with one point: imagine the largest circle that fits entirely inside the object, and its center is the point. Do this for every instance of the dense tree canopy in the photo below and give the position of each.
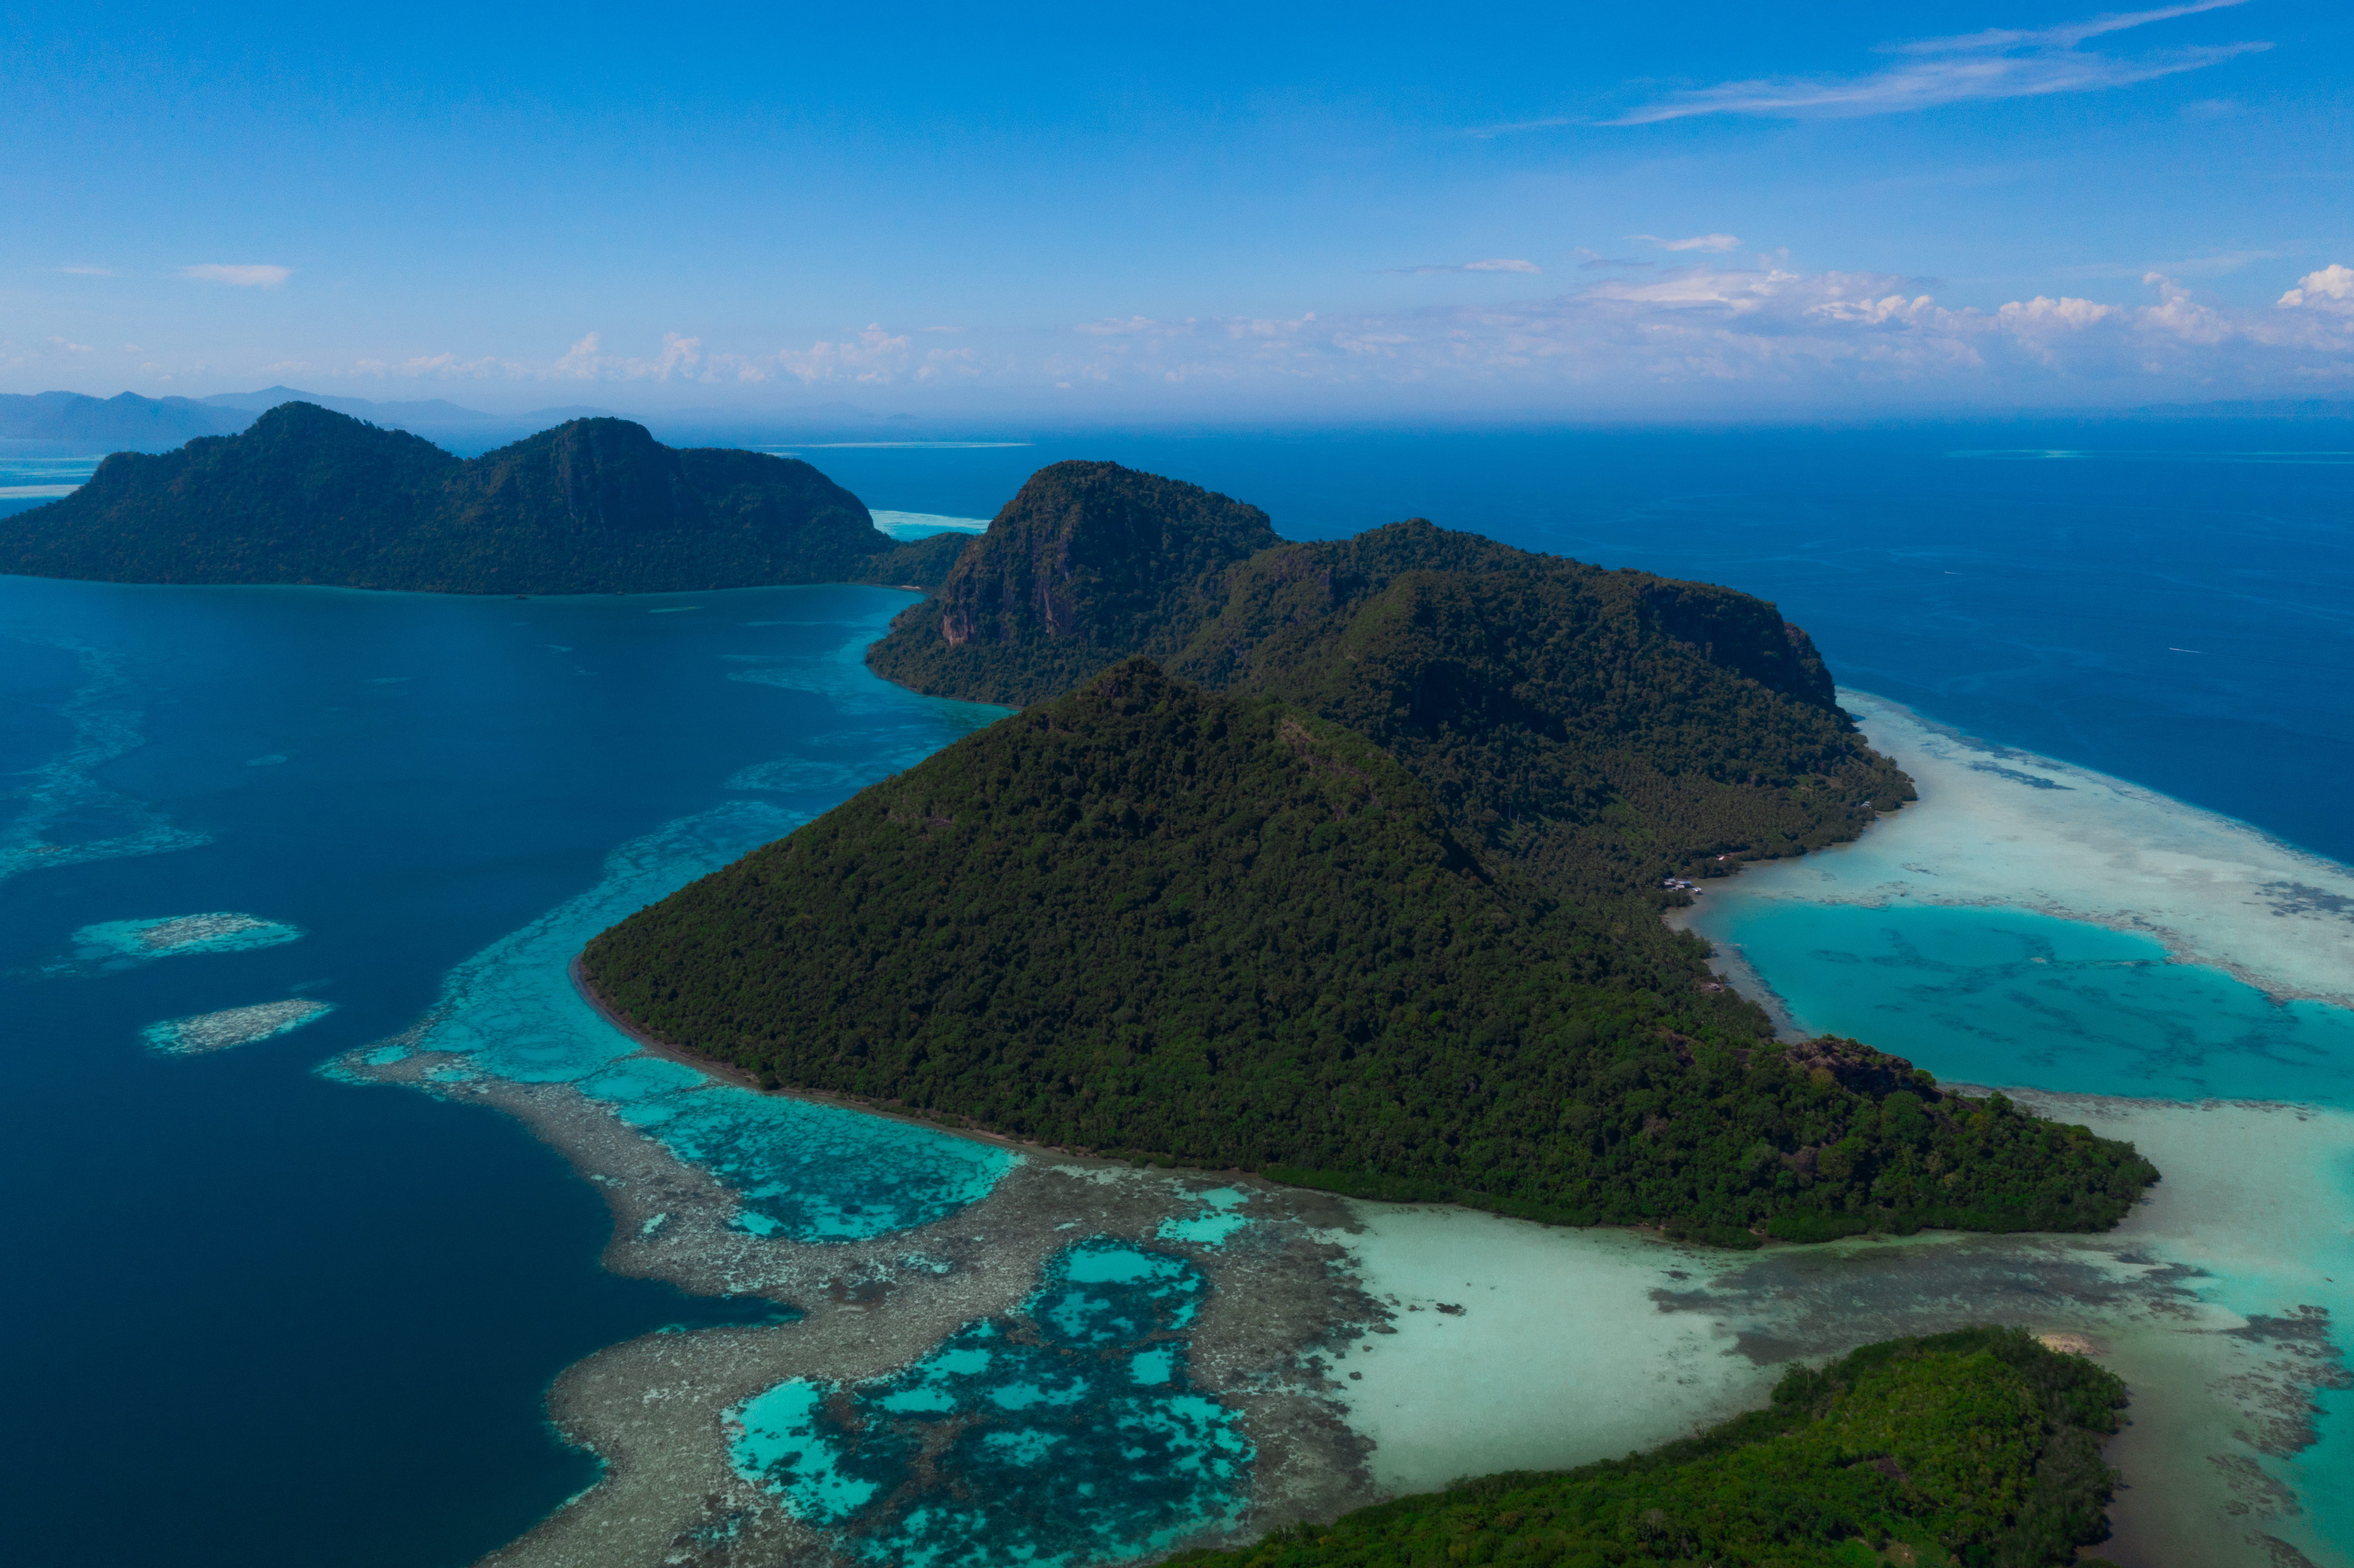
(1980, 1447)
(592, 507)
(1147, 919)
(1601, 729)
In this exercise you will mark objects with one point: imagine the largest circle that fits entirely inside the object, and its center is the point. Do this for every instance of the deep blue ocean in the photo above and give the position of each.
(255, 1315)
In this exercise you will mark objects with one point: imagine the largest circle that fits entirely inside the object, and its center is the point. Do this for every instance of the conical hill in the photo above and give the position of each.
(1148, 918)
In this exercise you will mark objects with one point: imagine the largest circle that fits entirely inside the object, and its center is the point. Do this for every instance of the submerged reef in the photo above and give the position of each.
(65, 817)
(208, 1032)
(1068, 1430)
(126, 943)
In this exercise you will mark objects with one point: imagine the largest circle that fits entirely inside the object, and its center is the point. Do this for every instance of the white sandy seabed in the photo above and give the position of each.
(1996, 827)
(1572, 1346)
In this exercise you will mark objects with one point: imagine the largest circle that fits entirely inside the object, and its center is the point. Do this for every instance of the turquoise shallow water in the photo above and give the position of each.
(2017, 999)
(807, 1172)
(1067, 1431)
(2012, 997)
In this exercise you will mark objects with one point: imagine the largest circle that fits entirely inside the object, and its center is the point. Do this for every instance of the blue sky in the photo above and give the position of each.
(1311, 211)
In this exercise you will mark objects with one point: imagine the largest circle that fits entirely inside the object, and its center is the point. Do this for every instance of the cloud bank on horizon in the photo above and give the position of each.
(1703, 325)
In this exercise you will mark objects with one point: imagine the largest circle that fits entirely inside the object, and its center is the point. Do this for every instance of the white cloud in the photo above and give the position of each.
(587, 361)
(1496, 264)
(1996, 63)
(70, 347)
(88, 271)
(1834, 336)
(1704, 242)
(240, 276)
(1834, 332)
(2331, 288)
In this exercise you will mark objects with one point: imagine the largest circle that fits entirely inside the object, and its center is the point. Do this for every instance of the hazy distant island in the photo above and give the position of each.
(1355, 882)
(595, 505)
(1981, 1446)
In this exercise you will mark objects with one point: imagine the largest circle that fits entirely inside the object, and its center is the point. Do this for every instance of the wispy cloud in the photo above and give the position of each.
(1494, 264)
(2211, 266)
(1997, 63)
(238, 276)
(1714, 243)
(87, 272)
(70, 347)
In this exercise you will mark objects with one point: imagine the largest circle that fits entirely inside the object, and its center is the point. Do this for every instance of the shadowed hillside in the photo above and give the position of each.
(592, 507)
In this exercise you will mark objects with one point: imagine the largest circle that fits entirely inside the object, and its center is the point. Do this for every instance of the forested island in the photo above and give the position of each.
(595, 505)
(1343, 862)
(1148, 920)
(1980, 1447)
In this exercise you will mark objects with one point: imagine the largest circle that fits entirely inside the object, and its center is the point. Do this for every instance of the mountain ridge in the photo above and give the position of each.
(597, 505)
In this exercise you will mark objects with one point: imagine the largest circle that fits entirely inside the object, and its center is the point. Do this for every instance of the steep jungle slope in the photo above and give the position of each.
(1148, 918)
(1089, 563)
(1600, 729)
(1977, 1447)
(306, 495)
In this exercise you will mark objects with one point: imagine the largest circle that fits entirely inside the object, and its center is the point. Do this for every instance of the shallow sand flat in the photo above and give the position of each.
(1578, 1345)
(1999, 827)
(1558, 1357)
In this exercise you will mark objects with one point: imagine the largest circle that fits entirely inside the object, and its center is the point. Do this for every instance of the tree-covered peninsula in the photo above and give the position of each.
(1979, 1447)
(306, 495)
(1218, 927)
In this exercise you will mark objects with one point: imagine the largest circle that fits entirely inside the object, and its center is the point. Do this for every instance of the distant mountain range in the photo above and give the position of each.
(306, 494)
(128, 422)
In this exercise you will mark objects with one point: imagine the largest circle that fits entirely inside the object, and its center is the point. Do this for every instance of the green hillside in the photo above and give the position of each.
(1980, 1447)
(592, 507)
(1147, 919)
(1601, 730)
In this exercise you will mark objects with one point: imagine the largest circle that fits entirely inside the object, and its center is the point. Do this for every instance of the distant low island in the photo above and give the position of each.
(1343, 864)
(595, 505)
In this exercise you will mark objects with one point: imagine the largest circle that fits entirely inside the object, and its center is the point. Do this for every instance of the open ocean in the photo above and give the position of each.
(260, 1317)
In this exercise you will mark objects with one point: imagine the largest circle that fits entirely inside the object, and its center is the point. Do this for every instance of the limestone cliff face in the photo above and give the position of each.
(1096, 555)
(1744, 634)
(1089, 564)
(307, 495)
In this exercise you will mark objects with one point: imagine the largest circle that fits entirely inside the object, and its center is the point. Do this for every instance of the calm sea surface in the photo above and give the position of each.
(257, 1316)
